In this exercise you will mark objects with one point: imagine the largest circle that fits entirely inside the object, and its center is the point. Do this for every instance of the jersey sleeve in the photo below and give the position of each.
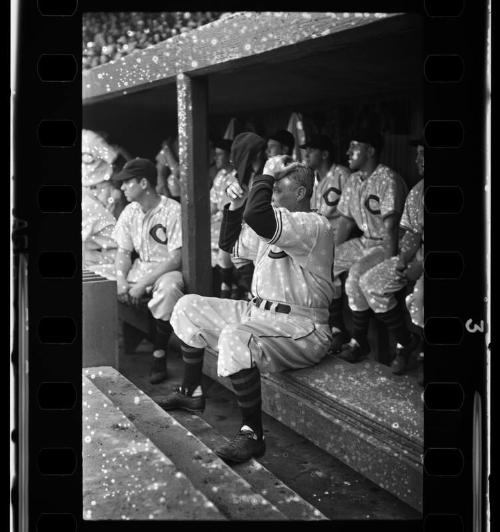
(122, 233)
(412, 218)
(392, 195)
(174, 227)
(247, 245)
(296, 232)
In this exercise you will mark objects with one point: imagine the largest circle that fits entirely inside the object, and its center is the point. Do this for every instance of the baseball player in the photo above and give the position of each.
(286, 324)
(371, 201)
(380, 284)
(151, 226)
(98, 246)
(168, 171)
(330, 178)
(281, 142)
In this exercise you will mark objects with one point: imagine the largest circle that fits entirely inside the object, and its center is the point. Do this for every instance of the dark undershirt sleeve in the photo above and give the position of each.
(259, 214)
(230, 228)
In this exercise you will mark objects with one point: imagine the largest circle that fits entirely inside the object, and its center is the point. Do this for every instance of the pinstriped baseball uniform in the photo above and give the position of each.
(293, 268)
(367, 201)
(381, 282)
(153, 235)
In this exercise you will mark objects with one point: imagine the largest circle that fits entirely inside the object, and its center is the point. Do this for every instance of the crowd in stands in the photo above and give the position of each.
(110, 36)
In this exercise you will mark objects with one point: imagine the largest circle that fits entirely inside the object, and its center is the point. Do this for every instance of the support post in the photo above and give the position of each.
(192, 111)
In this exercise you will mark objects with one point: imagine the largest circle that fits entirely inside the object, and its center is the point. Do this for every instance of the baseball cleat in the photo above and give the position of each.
(340, 338)
(158, 370)
(403, 361)
(244, 446)
(180, 400)
(352, 352)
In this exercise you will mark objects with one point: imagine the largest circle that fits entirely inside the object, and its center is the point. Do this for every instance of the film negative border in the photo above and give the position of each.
(47, 187)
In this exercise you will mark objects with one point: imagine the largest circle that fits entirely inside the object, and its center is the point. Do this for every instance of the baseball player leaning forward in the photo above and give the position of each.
(372, 201)
(151, 226)
(285, 325)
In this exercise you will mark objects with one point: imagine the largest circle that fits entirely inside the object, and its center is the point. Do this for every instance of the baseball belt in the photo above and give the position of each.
(280, 307)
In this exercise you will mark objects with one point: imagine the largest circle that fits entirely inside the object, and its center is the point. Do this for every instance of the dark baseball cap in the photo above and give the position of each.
(283, 137)
(224, 144)
(319, 142)
(137, 168)
(368, 135)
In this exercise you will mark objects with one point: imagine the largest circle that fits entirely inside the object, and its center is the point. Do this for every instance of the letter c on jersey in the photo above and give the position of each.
(332, 196)
(163, 233)
(372, 203)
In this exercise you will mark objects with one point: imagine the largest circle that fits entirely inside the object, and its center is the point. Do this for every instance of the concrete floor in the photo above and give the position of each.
(331, 486)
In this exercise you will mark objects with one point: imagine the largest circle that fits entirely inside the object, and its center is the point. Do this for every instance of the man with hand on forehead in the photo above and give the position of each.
(151, 226)
(285, 326)
(330, 178)
(372, 201)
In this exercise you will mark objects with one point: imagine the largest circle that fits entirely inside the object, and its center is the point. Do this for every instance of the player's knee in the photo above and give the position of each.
(187, 303)
(365, 282)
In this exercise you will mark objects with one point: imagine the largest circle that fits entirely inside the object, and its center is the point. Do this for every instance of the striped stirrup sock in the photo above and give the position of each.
(394, 320)
(193, 365)
(246, 384)
(360, 321)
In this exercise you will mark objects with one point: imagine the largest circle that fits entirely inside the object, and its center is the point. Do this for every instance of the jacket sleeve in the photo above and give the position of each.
(230, 228)
(259, 213)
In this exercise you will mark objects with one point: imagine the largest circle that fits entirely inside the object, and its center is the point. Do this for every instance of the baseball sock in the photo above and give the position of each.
(394, 320)
(336, 318)
(163, 330)
(193, 365)
(246, 384)
(226, 276)
(360, 321)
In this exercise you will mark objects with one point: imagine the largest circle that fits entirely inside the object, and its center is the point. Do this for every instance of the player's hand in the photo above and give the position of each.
(237, 194)
(401, 268)
(136, 292)
(414, 270)
(122, 293)
(276, 165)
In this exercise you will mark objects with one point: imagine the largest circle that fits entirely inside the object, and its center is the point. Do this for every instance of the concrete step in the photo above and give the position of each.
(125, 476)
(359, 413)
(261, 479)
(229, 492)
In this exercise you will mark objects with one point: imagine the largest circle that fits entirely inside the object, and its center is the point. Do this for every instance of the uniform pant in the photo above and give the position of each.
(415, 303)
(165, 293)
(245, 336)
(356, 256)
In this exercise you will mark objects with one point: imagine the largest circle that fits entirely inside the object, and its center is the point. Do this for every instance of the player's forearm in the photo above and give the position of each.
(410, 244)
(259, 213)
(344, 230)
(173, 263)
(230, 228)
(391, 236)
(123, 263)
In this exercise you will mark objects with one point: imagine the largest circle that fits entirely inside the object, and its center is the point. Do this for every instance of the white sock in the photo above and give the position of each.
(197, 392)
(159, 353)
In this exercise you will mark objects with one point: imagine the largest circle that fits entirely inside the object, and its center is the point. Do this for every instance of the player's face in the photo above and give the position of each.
(274, 148)
(357, 154)
(132, 189)
(314, 158)
(285, 194)
(419, 161)
(221, 158)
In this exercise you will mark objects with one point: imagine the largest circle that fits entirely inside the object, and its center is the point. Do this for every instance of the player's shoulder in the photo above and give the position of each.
(386, 174)
(130, 210)
(418, 188)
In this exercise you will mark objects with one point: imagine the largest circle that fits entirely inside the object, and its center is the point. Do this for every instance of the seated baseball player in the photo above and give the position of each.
(330, 178)
(151, 226)
(380, 284)
(372, 201)
(98, 246)
(285, 326)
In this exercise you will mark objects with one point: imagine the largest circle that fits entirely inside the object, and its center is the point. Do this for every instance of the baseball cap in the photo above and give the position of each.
(137, 168)
(319, 142)
(283, 137)
(223, 144)
(368, 135)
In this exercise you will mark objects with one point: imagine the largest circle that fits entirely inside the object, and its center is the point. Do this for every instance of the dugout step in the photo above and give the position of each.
(227, 488)
(359, 413)
(126, 476)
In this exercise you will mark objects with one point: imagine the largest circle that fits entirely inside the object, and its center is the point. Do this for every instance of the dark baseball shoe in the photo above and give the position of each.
(242, 447)
(403, 361)
(352, 352)
(181, 400)
(158, 371)
(340, 338)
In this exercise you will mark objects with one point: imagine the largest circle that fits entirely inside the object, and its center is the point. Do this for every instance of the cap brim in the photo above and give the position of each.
(124, 175)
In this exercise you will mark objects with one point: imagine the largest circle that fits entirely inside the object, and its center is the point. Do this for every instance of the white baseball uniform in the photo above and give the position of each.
(367, 201)
(326, 194)
(286, 325)
(153, 235)
(381, 282)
